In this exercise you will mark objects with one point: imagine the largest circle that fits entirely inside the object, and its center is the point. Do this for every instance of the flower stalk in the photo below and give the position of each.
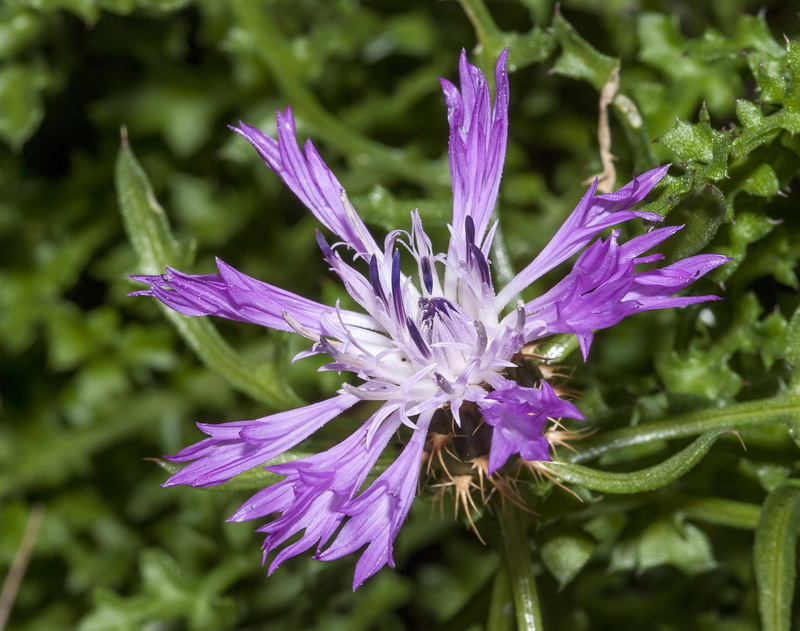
(517, 557)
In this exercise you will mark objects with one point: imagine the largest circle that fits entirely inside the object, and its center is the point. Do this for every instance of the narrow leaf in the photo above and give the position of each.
(637, 481)
(775, 559)
(149, 232)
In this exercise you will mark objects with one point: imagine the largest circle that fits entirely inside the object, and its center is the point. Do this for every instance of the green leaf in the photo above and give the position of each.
(666, 542)
(774, 556)
(736, 416)
(719, 512)
(149, 232)
(792, 354)
(169, 593)
(762, 182)
(690, 142)
(565, 555)
(145, 220)
(647, 479)
(748, 228)
(578, 59)
(21, 108)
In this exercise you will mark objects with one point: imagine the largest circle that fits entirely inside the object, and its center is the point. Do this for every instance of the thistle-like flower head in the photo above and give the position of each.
(438, 340)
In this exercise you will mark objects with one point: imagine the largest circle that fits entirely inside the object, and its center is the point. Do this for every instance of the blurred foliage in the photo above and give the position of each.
(94, 384)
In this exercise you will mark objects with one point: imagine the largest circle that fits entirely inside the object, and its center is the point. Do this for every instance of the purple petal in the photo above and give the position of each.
(307, 175)
(518, 415)
(603, 288)
(236, 296)
(316, 490)
(477, 148)
(593, 214)
(377, 514)
(236, 447)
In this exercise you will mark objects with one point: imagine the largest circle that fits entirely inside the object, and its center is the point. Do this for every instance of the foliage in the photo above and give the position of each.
(664, 520)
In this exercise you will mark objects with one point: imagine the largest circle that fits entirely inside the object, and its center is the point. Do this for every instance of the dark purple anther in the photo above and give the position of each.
(375, 280)
(427, 274)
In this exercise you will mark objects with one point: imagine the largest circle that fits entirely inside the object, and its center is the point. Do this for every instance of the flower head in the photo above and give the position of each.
(438, 343)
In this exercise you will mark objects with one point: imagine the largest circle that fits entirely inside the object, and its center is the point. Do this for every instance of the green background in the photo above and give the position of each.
(94, 384)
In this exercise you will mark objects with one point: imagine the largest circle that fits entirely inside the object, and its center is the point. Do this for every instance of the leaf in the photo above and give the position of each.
(774, 556)
(689, 141)
(668, 541)
(565, 555)
(647, 479)
(759, 413)
(21, 107)
(149, 232)
(578, 59)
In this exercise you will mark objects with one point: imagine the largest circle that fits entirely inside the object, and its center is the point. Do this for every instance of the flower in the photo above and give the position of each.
(440, 342)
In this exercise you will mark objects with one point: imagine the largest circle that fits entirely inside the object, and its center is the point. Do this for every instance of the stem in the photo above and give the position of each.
(489, 34)
(520, 569)
(501, 604)
(20, 564)
(736, 416)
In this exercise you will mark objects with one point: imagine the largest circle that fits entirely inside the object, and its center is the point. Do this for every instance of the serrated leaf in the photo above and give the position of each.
(690, 141)
(749, 114)
(748, 228)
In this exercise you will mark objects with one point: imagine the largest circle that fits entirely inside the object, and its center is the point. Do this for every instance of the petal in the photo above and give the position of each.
(316, 489)
(518, 416)
(593, 214)
(307, 175)
(477, 146)
(237, 296)
(224, 455)
(603, 288)
(377, 514)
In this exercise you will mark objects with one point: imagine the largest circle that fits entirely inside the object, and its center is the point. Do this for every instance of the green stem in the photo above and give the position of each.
(737, 416)
(501, 604)
(489, 35)
(718, 511)
(520, 569)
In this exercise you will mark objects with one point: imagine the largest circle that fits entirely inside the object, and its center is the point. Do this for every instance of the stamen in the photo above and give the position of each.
(299, 328)
(327, 252)
(469, 235)
(416, 337)
(482, 263)
(397, 294)
(427, 274)
(443, 384)
(483, 338)
(520, 316)
(375, 280)
(469, 230)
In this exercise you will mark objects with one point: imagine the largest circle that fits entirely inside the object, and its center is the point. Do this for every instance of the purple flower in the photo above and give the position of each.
(438, 341)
